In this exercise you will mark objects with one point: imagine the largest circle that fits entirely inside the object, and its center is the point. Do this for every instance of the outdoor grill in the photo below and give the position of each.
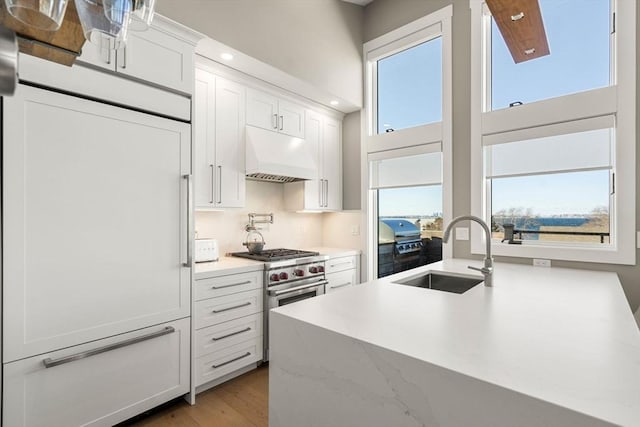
(399, 246)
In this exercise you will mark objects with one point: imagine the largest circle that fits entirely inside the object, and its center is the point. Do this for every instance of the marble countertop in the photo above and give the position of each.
(564, 336)
(233, 265)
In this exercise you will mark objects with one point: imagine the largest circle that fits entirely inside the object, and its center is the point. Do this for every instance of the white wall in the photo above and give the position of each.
(318, 41)
(342, 230)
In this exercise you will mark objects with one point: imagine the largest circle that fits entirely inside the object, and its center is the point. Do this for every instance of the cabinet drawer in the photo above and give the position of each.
(340, 264)
(223, 335)
(225, 361)
(222, 309)
(340, 280)
(225, 285)
(103, 389)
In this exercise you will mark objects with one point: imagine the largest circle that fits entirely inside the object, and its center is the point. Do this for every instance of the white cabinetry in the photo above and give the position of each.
(227, 325)
(342, 272)
(324, 134)
(272, 113)
(104, 388)
(219, 123)
(95, 246)
(153, 56)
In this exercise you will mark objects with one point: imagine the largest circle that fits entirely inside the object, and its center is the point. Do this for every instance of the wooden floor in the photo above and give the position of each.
(243, 401)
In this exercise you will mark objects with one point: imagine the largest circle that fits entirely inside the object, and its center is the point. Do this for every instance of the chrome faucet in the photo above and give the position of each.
(487, 270)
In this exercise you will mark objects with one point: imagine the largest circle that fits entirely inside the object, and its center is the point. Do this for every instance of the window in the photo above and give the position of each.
(578, 34)
(410, 87)
(407, 117)
(557, 173)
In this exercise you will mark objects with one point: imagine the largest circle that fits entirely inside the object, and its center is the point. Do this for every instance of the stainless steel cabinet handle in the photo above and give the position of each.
(213, 179)
(220, 184)
(281, 122)
(189, 219)
(326, 193)
(232, 360)
(104, 40)
(246, 282)
(50, 363)
(275, 121)
(231, 334)
(320, 187)
(298, 288)
(231, 308)
(341, 286)
(340, 263)
(124, 58)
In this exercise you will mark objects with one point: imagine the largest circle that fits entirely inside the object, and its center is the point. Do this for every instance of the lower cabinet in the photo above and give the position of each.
(342, 272)
(100, 383)
(228, 325)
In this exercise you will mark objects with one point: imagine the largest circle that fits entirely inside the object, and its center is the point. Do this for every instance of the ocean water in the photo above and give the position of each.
(534, 223)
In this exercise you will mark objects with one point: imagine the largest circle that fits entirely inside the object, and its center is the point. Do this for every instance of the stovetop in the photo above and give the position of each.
(276, 254)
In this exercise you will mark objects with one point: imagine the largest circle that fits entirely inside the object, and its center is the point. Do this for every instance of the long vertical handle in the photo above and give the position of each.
(275, 121)
(219, 184)
(213, 183)
(281, 122)
(124, 58)
(189, 219)
(320, 191)
(326, 196)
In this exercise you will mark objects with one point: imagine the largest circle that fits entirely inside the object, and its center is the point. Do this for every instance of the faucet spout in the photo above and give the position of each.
(487, 269)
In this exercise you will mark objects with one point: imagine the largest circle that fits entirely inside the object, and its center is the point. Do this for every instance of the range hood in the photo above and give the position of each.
(276, 157)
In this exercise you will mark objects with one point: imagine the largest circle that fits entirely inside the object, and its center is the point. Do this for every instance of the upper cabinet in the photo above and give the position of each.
(219, 126)
(153, 56)
(269, 112)
(324, 193)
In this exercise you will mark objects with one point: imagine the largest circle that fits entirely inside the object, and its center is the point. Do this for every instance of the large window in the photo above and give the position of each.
(410, 87)
(407, 117)
(553, 138)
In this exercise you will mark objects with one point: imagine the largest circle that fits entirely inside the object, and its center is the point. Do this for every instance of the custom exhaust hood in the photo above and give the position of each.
(277, 157)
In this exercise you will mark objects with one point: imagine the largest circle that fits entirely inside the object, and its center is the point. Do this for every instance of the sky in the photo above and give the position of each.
(407, 99)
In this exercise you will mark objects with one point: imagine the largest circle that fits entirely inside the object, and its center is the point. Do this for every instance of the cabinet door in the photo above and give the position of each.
(229, 144)
(159, 58)
(103, 389)
(94, 221)
(332, 163)
(313, 188)
(291, 117)
(204, 139)
(262, 110)
(340, 280)
(99, 54)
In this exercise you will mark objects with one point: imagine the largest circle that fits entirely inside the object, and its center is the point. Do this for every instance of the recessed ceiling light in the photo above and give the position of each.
(226, 56)
(334, 102)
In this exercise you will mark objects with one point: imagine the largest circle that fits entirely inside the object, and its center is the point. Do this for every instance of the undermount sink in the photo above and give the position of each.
(441, 282)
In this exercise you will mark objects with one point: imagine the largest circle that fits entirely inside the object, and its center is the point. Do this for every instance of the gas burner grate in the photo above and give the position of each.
(276, 254)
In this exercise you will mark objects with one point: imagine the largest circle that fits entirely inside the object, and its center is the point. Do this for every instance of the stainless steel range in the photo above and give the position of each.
(289, 276)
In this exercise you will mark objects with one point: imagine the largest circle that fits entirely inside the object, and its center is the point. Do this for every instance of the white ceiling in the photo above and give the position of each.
(360, 2)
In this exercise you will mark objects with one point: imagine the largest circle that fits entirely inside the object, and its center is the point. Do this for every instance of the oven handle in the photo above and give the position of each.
(298, 288)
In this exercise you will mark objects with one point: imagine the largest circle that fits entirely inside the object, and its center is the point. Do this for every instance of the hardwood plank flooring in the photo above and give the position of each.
(241, 402)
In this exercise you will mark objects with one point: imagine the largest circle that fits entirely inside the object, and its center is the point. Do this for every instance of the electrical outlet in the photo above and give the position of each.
(462, 233)
(355, 230)
(541, 262)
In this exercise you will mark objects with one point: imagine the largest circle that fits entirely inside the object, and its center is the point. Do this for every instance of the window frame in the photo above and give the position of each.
(436, 24)
(561, 112)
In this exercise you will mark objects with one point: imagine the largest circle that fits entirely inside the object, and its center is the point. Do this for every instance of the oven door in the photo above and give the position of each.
(288, 293)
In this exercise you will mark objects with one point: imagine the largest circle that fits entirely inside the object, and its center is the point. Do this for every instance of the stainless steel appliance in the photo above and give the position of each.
(399, 246)
(289, 276)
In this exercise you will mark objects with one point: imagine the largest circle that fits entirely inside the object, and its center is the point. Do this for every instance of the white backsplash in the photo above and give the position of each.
(289, 229)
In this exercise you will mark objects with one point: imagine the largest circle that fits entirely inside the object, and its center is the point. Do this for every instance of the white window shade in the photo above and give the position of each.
(586, 150)
(406, 171)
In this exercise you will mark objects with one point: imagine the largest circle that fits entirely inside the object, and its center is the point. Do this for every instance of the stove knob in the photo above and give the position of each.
(313, 270)
(274, 277)
(284, 276)
(298, 272)
(321, 269)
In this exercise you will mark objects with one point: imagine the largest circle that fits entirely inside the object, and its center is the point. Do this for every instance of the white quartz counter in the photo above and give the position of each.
(334, 252)
(224, 266)
(561, 336)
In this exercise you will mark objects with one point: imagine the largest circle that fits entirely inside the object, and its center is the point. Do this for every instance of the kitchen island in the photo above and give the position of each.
(544, 346)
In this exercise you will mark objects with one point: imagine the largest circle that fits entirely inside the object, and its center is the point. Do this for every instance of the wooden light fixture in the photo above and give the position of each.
(521, 26)
(61, 46)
